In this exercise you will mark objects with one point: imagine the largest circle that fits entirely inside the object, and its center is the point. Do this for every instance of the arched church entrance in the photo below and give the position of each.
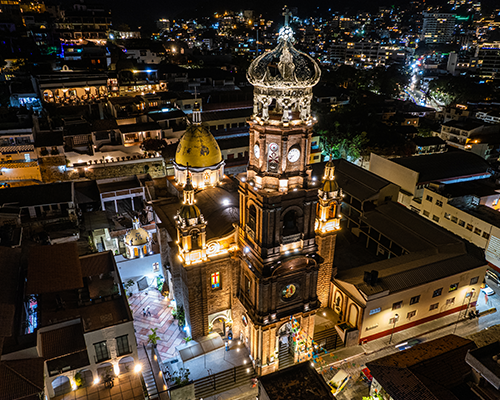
(285, 345)
(219, 326)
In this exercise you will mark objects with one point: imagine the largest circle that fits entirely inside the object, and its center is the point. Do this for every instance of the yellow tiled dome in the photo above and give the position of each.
(330, 186)
(189, 212)
(198, 148)
(137, 237)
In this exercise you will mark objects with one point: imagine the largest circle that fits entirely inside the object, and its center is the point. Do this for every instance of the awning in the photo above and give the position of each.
(201, 346)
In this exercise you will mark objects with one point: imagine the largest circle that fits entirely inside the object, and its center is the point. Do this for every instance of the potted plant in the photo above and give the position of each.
(153, 337)
(183, 388)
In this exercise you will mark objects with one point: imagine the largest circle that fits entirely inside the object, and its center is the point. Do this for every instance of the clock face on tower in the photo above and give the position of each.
(256, 151)
(293, 155)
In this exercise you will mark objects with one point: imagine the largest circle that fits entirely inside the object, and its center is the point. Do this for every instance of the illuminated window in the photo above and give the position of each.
(216, 280)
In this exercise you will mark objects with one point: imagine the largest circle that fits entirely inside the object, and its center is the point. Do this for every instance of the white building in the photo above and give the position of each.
(78, 321)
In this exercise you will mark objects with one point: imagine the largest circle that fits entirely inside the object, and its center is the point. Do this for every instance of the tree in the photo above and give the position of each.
(342, 144)
(153, 337)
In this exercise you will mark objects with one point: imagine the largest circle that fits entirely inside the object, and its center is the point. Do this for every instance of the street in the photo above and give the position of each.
(357, 388)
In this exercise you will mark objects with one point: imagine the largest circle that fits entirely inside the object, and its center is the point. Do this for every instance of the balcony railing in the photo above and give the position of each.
(292, 238)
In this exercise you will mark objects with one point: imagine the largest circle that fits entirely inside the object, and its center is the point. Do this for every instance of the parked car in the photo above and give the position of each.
(493, 276)
(407, 344)
(489, 291)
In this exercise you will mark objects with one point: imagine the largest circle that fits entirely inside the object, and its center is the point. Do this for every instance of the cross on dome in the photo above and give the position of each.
(286, 13)
(285, 32)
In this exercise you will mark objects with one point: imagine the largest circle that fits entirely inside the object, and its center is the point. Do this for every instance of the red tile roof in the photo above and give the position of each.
(96, 264)
(53, 269)
(21, 378)
(63, 341)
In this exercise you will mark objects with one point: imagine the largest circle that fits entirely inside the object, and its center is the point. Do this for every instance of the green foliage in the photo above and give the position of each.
(159, 283)
(452, 89)
(181, 377)
(181, 316)
(188, 339)
(78, 379)
(127, 285)
(153, 338)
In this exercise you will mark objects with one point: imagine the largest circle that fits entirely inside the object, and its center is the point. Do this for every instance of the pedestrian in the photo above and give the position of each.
(148, 312)
(144, 312)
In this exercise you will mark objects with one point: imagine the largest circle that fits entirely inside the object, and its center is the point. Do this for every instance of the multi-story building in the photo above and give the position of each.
(78, 321)
(367, 54)
(438, 27)
(413, 174)
(487, 58)
(458, 132)
(18, 158)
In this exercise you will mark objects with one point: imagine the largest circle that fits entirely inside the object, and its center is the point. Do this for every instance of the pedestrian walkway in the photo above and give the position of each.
(160, 317)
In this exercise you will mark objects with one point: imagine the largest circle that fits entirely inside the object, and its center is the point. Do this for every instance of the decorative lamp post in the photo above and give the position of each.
(396, 316)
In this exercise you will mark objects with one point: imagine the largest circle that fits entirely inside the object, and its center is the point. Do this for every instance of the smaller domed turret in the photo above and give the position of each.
(330, 198)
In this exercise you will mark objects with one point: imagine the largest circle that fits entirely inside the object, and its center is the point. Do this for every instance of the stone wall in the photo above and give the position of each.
(203, 300)
(51, 172)
(326, 249)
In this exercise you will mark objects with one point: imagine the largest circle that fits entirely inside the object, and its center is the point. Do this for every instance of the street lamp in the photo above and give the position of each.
(396, 316)
(470, 295)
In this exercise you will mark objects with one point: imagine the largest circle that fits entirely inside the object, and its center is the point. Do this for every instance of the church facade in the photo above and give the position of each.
(251, 255)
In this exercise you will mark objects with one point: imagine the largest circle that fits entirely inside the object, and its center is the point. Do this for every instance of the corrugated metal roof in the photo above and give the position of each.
(452, 164)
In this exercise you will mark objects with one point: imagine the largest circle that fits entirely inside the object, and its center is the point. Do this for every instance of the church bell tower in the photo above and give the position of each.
(279, 263)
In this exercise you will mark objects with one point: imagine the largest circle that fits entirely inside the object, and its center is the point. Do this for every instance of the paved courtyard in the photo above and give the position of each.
(161, 318)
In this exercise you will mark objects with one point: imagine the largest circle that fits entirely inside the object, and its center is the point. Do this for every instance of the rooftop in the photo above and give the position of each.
(467, 125)
(34, 195)
(484, 360)
(434, 253)
(112, 185)
(21, 379)
(299, 382)
(427, 371)
(139, 127)
(60, 263)
(209, 116)
(358, 182)
(443, 166)
(62, 341)
(478, 187)
(220, 217)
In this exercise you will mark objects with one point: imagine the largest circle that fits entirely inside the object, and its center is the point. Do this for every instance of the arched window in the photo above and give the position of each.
(290, 223)
(195, 240)
(332, 211)
(252, 218)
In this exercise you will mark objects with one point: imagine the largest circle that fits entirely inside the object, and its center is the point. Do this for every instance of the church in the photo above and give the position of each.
(250, 255)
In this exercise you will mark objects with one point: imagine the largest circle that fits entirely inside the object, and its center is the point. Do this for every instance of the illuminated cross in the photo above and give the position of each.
(286, 14)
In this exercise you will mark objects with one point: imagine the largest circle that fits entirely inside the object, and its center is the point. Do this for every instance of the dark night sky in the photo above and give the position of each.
(142, 12)
(145, 12)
